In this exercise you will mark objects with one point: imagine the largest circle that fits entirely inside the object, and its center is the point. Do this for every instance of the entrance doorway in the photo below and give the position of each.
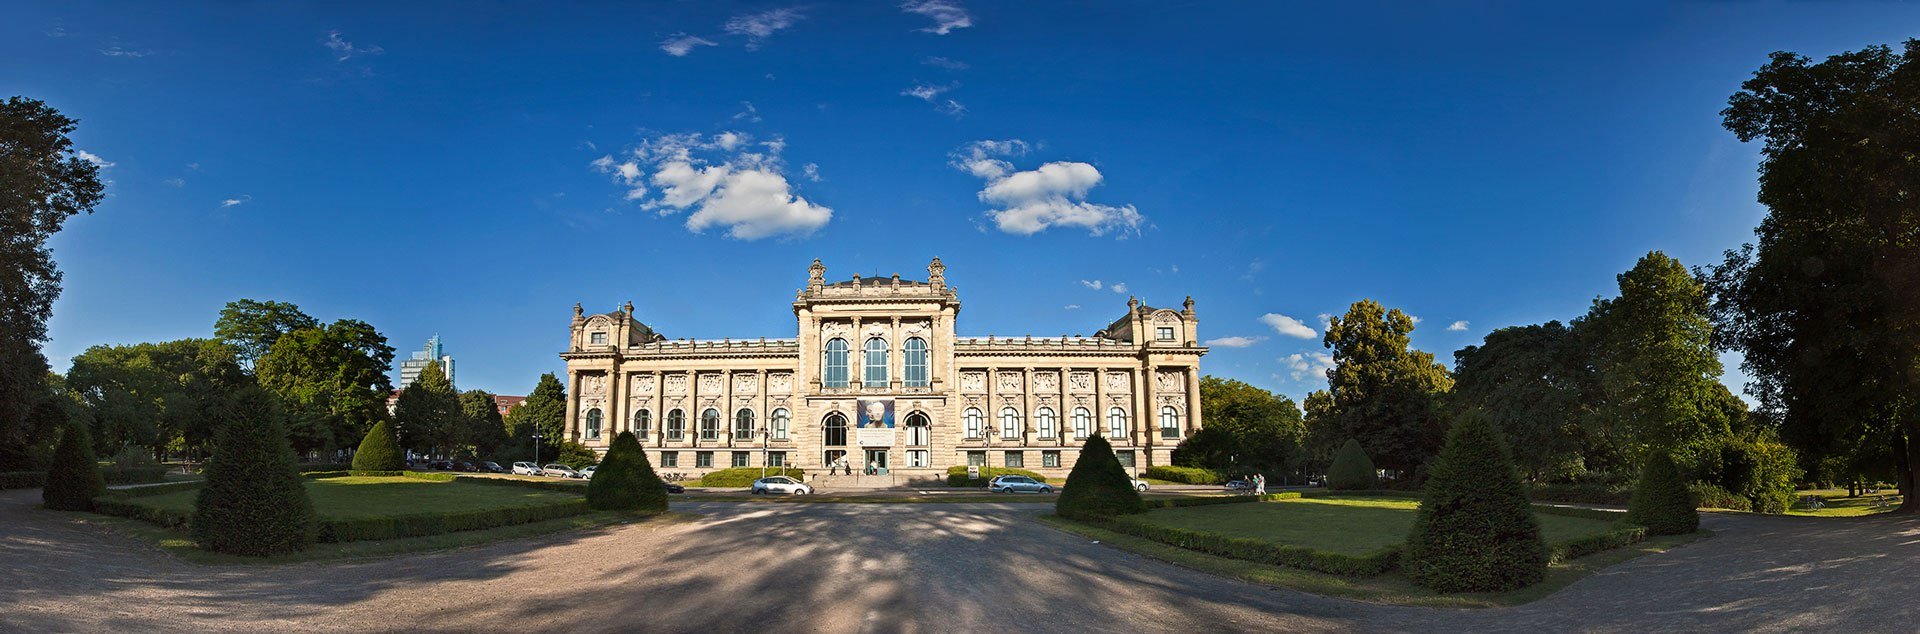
(877, 458)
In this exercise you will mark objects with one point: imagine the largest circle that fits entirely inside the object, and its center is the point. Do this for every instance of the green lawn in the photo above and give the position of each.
(1840, 505)
(361, 497)
(1352, 526)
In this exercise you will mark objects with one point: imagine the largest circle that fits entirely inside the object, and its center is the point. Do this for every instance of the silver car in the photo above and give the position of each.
(781, 484)
(1018, 484)
(559, 470)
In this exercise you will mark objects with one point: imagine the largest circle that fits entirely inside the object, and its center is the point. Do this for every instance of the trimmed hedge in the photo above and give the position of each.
(1582, 546)
(394, 527)
(1708, 496)
(625, 481)
(73, 478)
(1583, 493)
(744, 476)
(1661, 501)
(565, 486)
(1583, 513)
(1369, 565)
(957, 475)
(1352, 470)
(1185, 475)
(379, 450)
(381, 473)
(156, 489)
(22, 479)
(1101, 487)
(123, 506)
(1475, 531)
(309, 467)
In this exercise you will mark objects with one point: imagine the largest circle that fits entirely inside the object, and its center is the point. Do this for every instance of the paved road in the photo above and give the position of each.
(907, 568)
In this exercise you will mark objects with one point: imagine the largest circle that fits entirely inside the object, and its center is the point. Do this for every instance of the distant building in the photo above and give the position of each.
(410, 368)
(507, 403)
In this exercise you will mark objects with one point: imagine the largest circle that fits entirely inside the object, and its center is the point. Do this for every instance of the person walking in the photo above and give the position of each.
(873, 468)
(1259, 484)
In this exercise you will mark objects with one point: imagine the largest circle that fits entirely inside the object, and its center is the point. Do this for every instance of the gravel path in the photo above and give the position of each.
(907, 568)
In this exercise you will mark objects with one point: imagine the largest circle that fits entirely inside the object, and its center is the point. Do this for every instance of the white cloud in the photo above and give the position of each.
(93, 158)
(725, 180)
(1306, 364)
(749, 113)
(759, 26)
(1052, 195)
(1072, 307)
(1093, 284)
(345, 50)
(811, 171)
(1416, 319)
(946, 14)
(1458, 326)
(235, 202)
(115, 51)
(931, 94)
(175, 182)
(1234, 342)
(1288, 326)
(947, 63)
(680, 44)
(1119, 287)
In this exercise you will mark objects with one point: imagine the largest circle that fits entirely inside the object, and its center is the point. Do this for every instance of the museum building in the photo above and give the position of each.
(876, 378)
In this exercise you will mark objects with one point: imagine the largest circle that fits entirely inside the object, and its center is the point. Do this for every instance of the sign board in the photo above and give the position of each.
(973, 472)
(875, 413)
(881, 437)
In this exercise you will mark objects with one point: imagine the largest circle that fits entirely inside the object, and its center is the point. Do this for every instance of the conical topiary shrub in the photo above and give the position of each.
(1475, 531)
(254, 502)
(625, 481)
(73, 479)
(1098, 487)
(1352, 470)
(380, 450)
(1661, 501)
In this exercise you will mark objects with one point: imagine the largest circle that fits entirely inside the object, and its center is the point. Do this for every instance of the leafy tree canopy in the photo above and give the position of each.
(1247, 429)
(252, 327)
(1534, 384)
(1381, 390)
(332, 378)
(155, 395)
(428, 415)
(1659, 376)
(484, 432)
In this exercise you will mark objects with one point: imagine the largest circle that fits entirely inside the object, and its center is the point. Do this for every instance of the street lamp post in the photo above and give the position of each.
(990, 431)
(763, 454)
(536, 449)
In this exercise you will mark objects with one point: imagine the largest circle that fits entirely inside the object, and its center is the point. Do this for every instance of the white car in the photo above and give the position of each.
(1140, 485)
(587, 473)
(781, 484)
(559, 471)
(1017, 484)
(526, 468)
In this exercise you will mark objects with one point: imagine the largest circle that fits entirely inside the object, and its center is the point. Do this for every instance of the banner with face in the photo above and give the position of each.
(875, 414)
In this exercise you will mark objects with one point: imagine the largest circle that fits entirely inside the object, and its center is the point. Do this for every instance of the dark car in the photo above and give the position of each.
(441, 465)
(465, 467)
(675, 488)
(489, 467)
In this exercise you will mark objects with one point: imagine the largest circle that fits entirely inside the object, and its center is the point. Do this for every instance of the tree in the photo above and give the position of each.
(1657, 370)
(1533, 382)
(428, 415)
(252, 327)
(1475, 531)
(43, 182)
(625, 481)
(546, 408)
(1352, 470)
(73, 480)
(156, 395)
(1098, 487)
(332, 378)
(254, 502)
(1248, 430)
(1661, 501)
(1824, 306)
(1382, 390)
(483, 432)
(379, 450)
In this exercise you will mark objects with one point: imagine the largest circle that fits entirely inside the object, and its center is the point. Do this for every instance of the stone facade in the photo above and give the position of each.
(931, 401)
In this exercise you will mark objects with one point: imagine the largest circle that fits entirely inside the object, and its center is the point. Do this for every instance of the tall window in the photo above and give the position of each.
(1009, 423)
(642, 423)
(915, 361)
(776, 458)
(743, 425)
(1116, 423)
(741, 459)
(676, 425)
(1044, 420)
(916, 457)
(873, 367)
(918, 431)
(836, 428)
(1169, 422)
(1082, 423)
(972, 417)
(669, 458)
(593, 424)
(834, 371)
(781, 420)
(710, 425)
(1016, 459)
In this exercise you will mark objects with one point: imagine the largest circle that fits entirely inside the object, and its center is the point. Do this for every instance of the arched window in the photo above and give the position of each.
(833, 373)
(642, 424)
(874, 365)
(1117, 424)
(972, 417)
(836, 428)
(918, 431)
(1044, 421)
(593, 424)
(781, 420)
(743, 424)
(1169, 422)
(676, 425)
(1082, 423)
(710, 424)
(1009, 423)
(915, 361)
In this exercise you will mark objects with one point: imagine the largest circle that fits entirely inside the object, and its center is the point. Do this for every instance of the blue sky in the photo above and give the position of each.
(472, 170)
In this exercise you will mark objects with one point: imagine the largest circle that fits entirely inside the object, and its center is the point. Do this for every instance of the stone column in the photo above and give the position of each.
(692, 432)
(616, 405)
(1193, 401)
(896, 356)
(856, 358)
(1142, 402)
(572, 429)
(1026, 407)
(726, 411)
(1099, 398)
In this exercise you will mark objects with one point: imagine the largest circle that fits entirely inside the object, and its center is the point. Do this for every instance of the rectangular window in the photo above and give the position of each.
(1050, 459)
(976, 458)
(776, 458)
(1016, 459)
(669, 458)
(1164, 334)
(916, 457)
(1126, 458)
(742, 459)
(703, 460)
(598, 338)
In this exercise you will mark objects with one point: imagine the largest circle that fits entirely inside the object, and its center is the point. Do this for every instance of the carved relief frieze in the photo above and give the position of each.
(710, 383)
(973, 381)
(1165, 318)
(833, 329)
(1046, 382)
(745, 383)
(780, 383)
(1009, 382)
(1117, 381)
(1080, 381)
(676, 383)
(1169, 380)
(915, 328)
(642, 383)
(593, 385)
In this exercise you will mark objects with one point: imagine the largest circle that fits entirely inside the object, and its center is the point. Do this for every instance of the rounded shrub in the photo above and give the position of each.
(73, 478)
(1352, 470)
(1661, 502)
(254, 501)
(1475, 531)
(1100, 487)
(380, 450)
(625, 481)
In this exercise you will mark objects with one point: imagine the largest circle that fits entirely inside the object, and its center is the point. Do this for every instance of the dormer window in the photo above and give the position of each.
(598, 338)
(1164, 334)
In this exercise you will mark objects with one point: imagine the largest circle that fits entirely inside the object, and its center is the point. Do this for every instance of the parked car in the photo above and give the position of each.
(674, 488)
(587, 473)
(465, 466)
(441, 465)
(1140, 485)
(1018, 484)
(1242, 484)
(489, 467)
(776, 484)
(526, 468)
(559, 471)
